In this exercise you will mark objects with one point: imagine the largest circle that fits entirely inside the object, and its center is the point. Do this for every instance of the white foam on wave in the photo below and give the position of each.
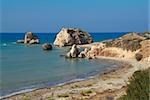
(15, 93)
(74, 80)
(14, 43)
(4, 44)
(60, 84)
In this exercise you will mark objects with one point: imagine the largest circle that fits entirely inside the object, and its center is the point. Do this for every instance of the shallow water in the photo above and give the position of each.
(28, 66)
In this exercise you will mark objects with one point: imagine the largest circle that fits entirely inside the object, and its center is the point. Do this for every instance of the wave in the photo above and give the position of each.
(15, 93)
(82, 77)
(68, 80)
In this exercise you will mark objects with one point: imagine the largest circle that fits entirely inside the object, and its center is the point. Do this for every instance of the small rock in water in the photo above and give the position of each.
(47, 46)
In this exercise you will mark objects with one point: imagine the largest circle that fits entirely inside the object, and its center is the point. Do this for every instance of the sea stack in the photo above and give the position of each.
(70, 36)
(29, 38)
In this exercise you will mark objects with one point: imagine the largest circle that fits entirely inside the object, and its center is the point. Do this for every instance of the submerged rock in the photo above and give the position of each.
(47, 46)
(73, 53)
(70, 36)
(20, 41)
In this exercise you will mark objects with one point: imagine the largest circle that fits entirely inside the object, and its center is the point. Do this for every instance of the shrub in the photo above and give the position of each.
(86, 92)
(108, 44)
(63, 95)
(26, 98)
(138, 89)
(50, 98)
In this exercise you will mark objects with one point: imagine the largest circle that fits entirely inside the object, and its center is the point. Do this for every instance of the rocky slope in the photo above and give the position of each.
(130, 41)
(131, 45)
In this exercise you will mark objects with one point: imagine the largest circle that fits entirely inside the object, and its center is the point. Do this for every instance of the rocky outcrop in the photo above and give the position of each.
(29, 38)
(73, 53)
(47, 46)
(130, 46)
(95, 50)
(144, 50)
(145, 34)
(70, 36)
(83, 54)
(129, 41)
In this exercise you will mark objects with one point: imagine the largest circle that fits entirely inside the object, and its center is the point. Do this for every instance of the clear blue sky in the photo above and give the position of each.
(89, 15)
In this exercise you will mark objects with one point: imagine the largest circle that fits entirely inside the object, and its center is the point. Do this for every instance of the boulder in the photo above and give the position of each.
(47, 46)
(138, 56)
(73, 53)
(83, 54)
(70, 36)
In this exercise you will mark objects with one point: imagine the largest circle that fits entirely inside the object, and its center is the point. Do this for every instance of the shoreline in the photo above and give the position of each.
(88, 76)
(111, 78)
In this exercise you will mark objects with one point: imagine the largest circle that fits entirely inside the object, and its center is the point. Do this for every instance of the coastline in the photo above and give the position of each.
(86, 76)
(112, 82)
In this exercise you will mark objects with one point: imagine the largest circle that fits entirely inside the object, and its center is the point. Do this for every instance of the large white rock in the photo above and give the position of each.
(70, 36)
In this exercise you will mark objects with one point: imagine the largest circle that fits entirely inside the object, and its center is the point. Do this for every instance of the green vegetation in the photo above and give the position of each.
(138, 89)
(125, 44)
(63, 95)
(108, 44)
(130, 41)
(26, 98)
(50, 98)
(86, 92)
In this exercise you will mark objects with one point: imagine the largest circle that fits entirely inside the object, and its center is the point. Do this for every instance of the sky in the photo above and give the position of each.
(90, 15)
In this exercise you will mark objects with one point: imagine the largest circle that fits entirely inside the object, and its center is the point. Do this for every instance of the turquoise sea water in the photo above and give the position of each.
(26, 67)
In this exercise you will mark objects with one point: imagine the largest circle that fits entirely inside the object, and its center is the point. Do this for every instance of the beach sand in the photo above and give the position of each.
(107, 86)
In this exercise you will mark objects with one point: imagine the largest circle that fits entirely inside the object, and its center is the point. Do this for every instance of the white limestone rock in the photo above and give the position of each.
(70, 36)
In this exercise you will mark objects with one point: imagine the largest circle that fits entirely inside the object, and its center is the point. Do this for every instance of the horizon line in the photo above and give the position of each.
(88, 32)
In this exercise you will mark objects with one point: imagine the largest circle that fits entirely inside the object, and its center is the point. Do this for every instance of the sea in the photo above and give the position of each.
(25, 67)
